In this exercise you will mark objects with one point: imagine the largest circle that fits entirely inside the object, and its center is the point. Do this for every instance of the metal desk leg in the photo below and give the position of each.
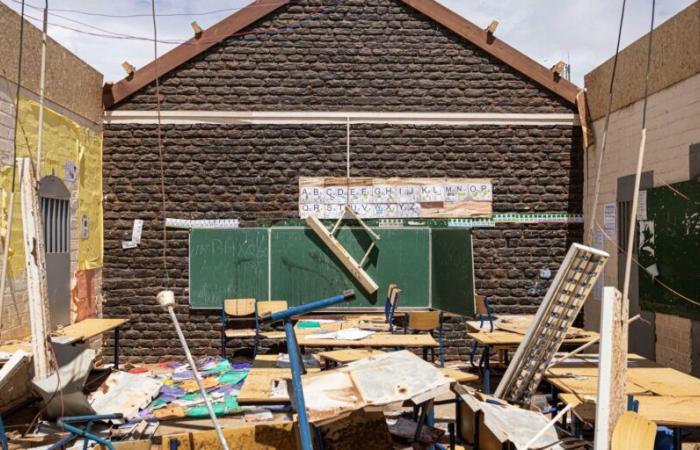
(677, 438)
(425, 353)
(486, 372)
(3, 436)
(116, 348)
(297, 368)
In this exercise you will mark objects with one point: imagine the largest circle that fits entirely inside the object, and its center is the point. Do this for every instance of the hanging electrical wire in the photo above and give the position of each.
(106, 34)
(640, 162)
(17, 93)
(132, 16)
(599, 168)
(160, 148)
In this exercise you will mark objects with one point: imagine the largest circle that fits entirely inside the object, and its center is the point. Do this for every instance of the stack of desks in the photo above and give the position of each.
(666, 396)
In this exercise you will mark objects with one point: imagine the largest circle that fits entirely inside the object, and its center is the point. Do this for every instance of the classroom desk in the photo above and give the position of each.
(666, 396)
(580, 376)
(78, 333)
(504, 341)
(376, 340)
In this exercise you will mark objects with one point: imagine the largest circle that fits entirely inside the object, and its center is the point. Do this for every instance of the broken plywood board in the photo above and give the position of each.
(502, 423)
(125, 393)
(261, 386)
(343, 256)
(277, 436)
(379, 381)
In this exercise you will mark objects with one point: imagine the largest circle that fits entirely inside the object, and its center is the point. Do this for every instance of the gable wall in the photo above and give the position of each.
(364, 55)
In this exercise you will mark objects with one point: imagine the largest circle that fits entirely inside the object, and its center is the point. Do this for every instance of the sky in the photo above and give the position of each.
(580, 32)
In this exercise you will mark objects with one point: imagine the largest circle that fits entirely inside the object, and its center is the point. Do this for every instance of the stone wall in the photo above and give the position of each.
(369, 55)
(250, 172)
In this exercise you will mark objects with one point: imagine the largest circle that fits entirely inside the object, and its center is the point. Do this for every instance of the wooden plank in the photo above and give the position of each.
(35, 268)
(375, 340)
(506, 338)
(343, 256)
(257, 387)
(89, 328)
(612, 365)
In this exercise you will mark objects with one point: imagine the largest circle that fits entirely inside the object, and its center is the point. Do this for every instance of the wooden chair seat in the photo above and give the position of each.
(273, 335)
(239, 333)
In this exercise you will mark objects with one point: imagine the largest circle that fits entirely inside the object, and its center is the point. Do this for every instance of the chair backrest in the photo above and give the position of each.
(239, 307)
(424, 320)
(271, 306)
(392, 301)
(480, 304)
(633, 431)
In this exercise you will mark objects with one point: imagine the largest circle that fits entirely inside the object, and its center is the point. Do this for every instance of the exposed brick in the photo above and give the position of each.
(372, 55)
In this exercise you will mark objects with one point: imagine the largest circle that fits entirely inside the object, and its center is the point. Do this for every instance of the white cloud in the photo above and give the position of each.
(582, 32)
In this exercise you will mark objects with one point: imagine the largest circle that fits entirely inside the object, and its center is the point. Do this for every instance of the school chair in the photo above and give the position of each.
(392, 303)
(482, 308)
(429, 321)
(633, 431)
(239, 320)
(265, 308)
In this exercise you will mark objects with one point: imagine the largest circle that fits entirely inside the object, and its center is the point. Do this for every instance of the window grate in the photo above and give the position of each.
(55, 213)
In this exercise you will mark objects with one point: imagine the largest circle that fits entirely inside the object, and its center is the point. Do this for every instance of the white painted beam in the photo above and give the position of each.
(181, 117)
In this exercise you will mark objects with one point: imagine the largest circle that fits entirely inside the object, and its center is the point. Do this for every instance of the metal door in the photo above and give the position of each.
(55, 210)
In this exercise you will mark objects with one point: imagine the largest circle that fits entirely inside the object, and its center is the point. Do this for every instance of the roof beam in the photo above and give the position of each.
(188, 50)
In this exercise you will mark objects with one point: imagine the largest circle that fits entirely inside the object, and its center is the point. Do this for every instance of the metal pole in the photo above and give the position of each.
(297, 369)
(197, 378)
(42, 85)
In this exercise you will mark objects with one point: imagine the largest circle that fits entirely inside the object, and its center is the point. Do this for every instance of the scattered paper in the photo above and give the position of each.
(349, 334)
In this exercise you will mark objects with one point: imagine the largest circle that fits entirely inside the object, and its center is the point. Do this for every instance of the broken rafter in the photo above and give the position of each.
(345, 258)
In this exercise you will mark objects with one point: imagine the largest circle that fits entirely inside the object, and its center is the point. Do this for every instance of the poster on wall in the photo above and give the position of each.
(610, 220)
(395, 198)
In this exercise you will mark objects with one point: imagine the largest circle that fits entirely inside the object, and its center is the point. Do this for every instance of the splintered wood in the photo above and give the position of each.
(376, 381)
(565, 297)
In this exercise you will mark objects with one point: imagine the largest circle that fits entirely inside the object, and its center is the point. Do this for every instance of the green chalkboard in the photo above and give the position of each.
(304, 269)
(227, 264)
(433, 267)
(670, 238)
(453, 273)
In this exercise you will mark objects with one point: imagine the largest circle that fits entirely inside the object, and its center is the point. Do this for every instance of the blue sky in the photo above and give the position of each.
(582, 32)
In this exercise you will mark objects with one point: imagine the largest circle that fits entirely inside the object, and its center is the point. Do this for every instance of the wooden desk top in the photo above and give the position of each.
(375, 340)
(506, 339)
(89, 328)
(77, 332)
(349, 355)
(668, 411)
(580, 376)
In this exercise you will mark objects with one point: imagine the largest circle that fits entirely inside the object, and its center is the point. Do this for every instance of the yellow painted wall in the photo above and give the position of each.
(63, 141)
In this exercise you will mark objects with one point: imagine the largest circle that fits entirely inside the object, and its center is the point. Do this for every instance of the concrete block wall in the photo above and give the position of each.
(672, 127)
